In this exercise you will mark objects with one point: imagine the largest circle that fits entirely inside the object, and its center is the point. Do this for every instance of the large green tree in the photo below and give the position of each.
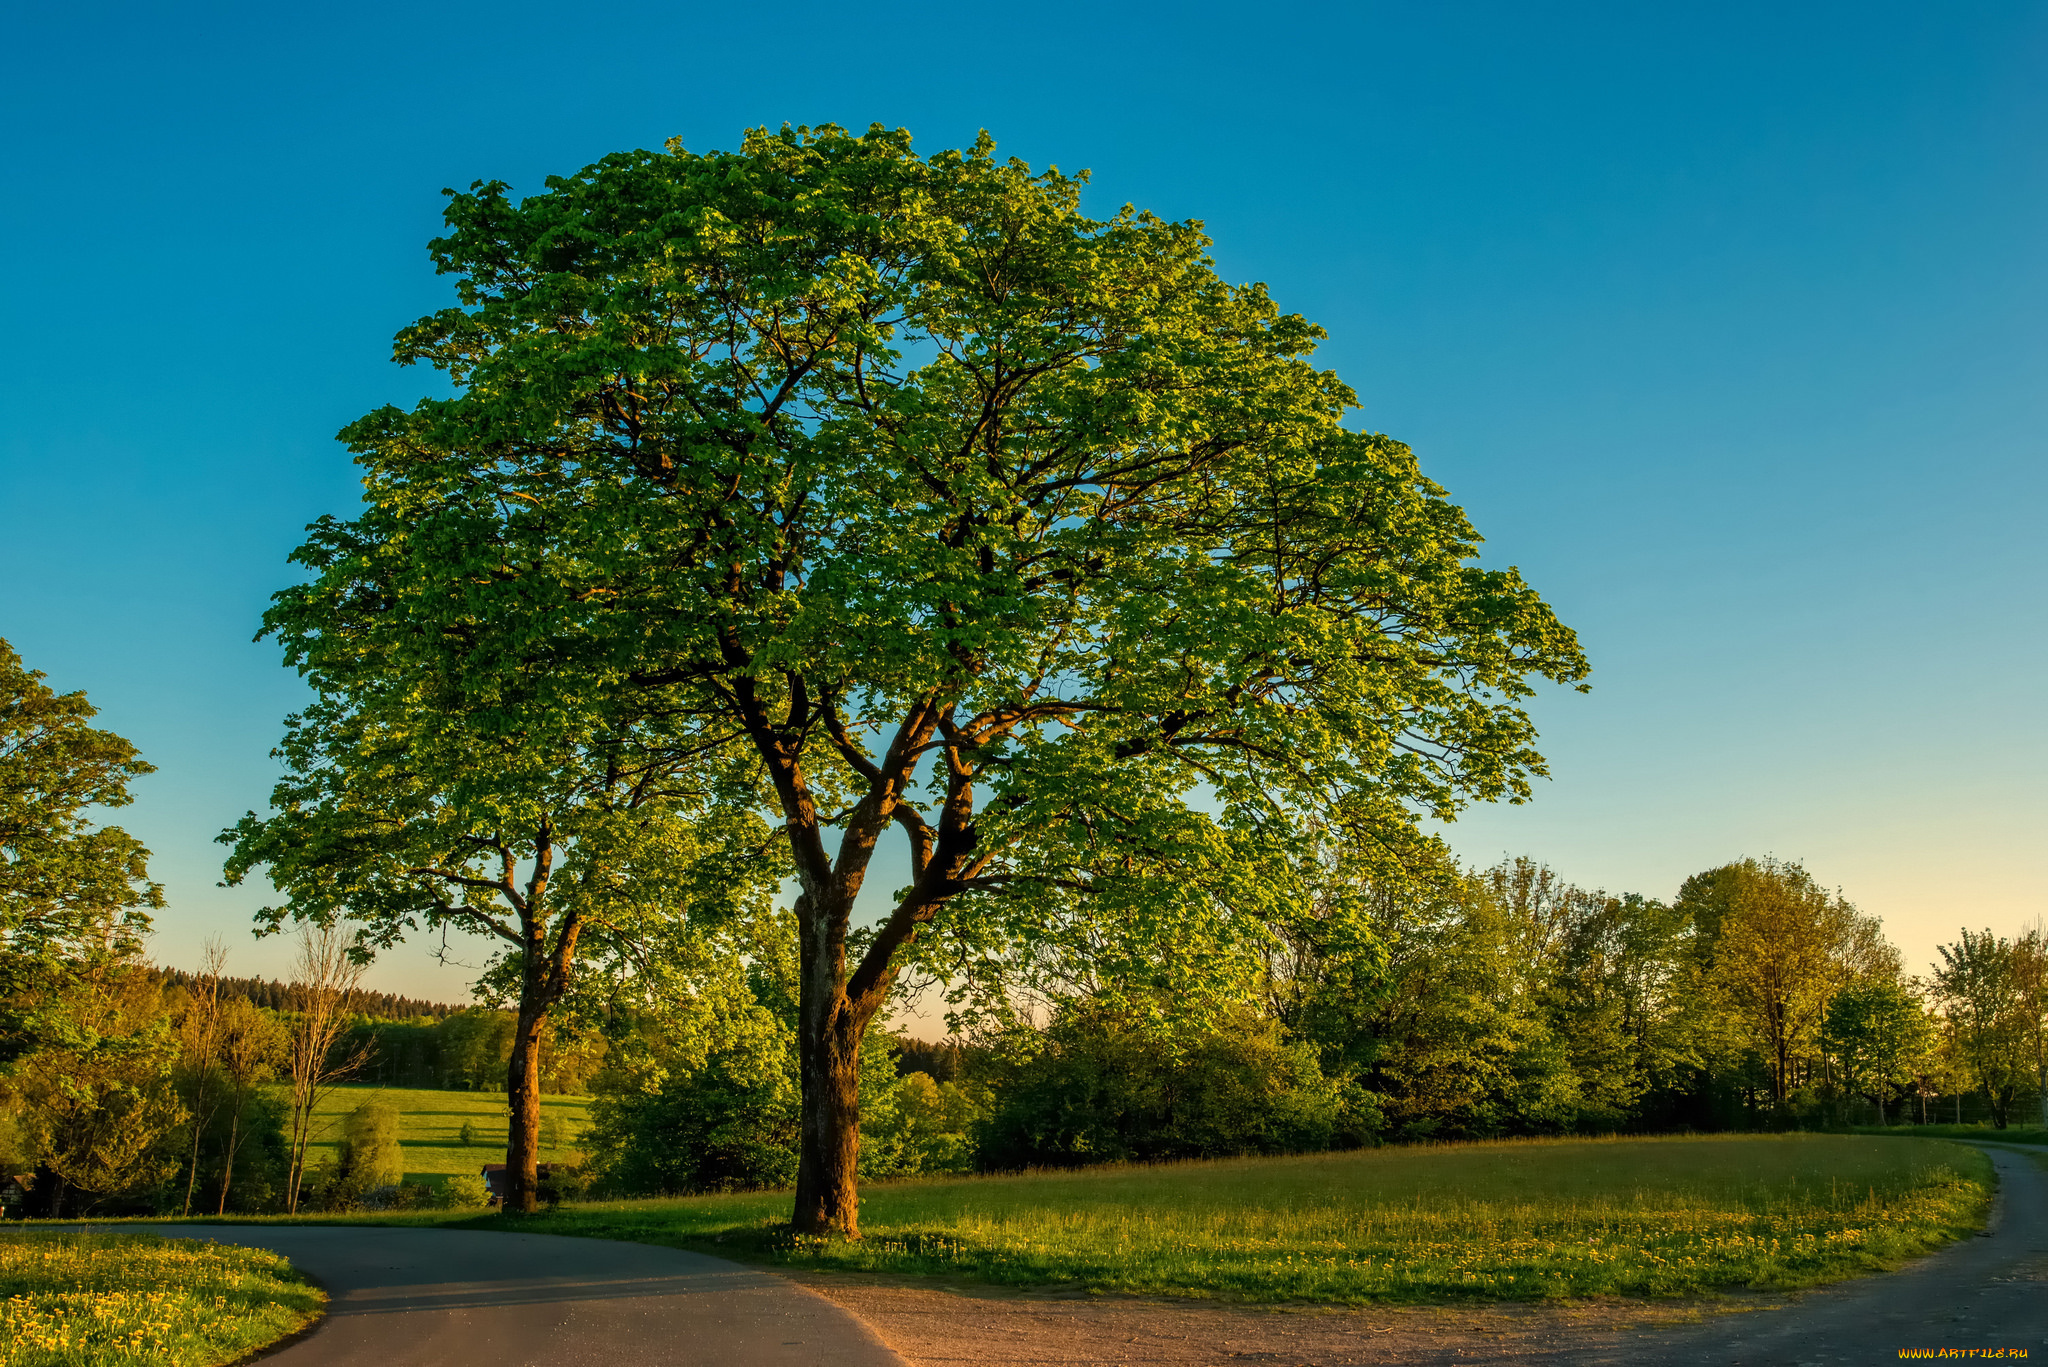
(1980, 985)
(1879, 1033)
(962, 515)
(73, 893)
(1776, 947)
(412, 804)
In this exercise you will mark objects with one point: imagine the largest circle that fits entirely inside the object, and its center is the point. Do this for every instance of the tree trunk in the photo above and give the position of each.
(296, 1169)
(522, 1097)
(831, 1023)
(828, 1154)
(227, 1170)
(199, 1119)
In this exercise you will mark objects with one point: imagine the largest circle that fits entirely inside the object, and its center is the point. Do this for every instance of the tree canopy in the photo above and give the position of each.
(71, 891)
(946, 509)
(65, 882)
(568, 840)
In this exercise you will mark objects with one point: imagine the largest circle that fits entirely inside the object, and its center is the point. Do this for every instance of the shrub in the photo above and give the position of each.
(728, 1126)
(1103, 1085)
(370, 1154)
(918, 1125)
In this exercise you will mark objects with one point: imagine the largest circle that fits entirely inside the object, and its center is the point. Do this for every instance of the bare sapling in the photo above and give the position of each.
(324, 982)
(202, 1048)
(252, 1044)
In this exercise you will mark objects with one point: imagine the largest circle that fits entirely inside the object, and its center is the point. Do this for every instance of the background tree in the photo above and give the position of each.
(411, 803)
(1978, 985)
(199, 1044)
(324, 975)
(98, 1093)
(1880, 1036)
(74, 896)
(1599, 968)
(251, 1044)
(958, 514)
(1780, 947)
(2030, 987)
(1110, 1084)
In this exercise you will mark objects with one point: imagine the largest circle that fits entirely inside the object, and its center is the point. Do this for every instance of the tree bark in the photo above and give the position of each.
(200, 1116)
(522, 1096)
(828, 1154)
(227, 1171)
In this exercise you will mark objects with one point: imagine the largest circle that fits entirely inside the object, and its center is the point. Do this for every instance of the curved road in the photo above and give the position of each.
(459, 1298)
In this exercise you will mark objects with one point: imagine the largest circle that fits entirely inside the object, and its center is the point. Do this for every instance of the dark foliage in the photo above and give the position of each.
(1101, 1086)
(273, 995)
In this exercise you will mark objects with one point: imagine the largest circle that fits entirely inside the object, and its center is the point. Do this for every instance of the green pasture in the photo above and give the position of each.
(124, 1300)
(1517, 1220)
(430, 1126)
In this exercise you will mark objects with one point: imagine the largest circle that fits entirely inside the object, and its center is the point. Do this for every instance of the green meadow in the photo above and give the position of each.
(1515, 1220)
(125, 1300)
(430, 1126)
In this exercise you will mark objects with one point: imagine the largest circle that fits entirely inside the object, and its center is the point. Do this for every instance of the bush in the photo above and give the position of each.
(463, 1192)
(731, 1123)
(918, 1125)
(561, 1182)
(402, 1196)
(370, 1154)
(1102, 1085)
(729, 1126)
(333, 1188)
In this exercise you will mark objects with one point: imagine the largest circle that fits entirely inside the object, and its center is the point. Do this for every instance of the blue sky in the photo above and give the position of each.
(1726, 323)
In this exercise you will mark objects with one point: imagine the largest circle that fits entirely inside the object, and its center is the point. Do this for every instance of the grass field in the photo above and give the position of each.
(430, 1124)
(112, 1300)
(1518, 1220)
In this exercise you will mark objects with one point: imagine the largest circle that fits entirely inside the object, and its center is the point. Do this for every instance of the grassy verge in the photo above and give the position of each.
(122, 1300)
(1521, 1220)
(430, 1127)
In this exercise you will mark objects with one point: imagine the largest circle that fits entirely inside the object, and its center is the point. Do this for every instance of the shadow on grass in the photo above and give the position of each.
(2014, 1134)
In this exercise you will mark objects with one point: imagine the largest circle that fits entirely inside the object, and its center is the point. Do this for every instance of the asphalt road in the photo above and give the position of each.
(456, 1298)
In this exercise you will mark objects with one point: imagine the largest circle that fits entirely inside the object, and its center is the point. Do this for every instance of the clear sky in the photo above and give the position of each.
(1727, 322)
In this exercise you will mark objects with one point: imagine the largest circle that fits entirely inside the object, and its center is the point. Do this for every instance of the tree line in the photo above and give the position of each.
(275, 995)
(1489, 1002)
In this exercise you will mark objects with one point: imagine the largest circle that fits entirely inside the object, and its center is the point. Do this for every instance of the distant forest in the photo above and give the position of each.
(272, 995)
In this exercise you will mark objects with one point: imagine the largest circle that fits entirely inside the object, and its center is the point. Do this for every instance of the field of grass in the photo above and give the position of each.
(1520, 1220)
(430, 1126)
(123, 1300)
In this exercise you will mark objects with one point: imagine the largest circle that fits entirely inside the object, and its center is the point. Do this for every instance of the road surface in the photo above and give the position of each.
(460, 1298)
